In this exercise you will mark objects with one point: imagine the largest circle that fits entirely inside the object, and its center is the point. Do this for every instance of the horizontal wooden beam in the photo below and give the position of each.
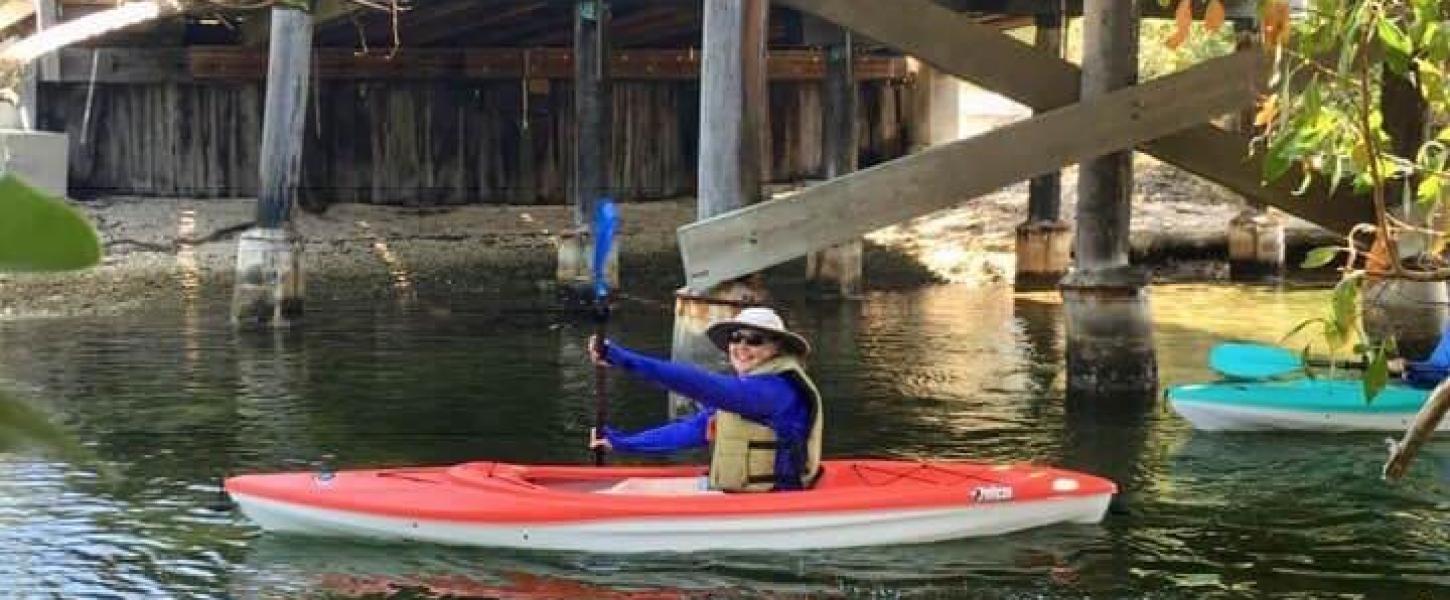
(952, 43)
(223, 63)
(256, 31)
(1147, 8)
(756, 237)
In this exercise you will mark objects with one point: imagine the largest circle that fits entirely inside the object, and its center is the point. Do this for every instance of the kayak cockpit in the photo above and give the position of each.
(635, 480)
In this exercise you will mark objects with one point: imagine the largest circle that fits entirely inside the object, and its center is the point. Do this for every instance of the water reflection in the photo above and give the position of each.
(173, 399)
(1045, 561)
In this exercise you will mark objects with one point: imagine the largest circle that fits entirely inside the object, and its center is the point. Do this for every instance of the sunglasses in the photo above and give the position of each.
(749, 338)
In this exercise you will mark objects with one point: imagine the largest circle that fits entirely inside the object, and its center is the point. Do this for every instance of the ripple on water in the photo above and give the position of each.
(173, 403)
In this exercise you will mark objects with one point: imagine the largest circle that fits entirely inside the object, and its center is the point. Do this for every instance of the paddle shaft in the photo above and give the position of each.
(1319, 362)
(601, 377)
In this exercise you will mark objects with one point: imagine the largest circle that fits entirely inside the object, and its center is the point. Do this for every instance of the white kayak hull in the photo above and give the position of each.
(777, 532)
(1211, 416)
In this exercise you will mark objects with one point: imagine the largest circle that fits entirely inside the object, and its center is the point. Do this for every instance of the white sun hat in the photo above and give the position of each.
(761, 319)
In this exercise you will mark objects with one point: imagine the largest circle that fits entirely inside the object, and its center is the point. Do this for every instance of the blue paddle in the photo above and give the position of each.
(606, 218)
(1259, 361)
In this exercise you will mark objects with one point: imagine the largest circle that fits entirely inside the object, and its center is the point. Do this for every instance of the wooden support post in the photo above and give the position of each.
(732, 102)
(526, 185)
(836, 271)
(269, 266)
(1044, 240)
(1256, 234)
(1109, 330)
(589, 181)
(26, 113)
(936, 108)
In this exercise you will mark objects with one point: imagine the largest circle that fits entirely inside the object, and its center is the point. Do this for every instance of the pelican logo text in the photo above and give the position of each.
(992, 493)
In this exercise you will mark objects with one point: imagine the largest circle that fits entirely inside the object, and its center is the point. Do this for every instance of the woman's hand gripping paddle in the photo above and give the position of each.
(606, 218)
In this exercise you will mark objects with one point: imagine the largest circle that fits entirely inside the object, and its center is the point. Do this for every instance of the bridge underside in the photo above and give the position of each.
(762, 235)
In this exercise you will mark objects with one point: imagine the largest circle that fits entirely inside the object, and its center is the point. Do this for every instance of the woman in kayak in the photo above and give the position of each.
(763, 423)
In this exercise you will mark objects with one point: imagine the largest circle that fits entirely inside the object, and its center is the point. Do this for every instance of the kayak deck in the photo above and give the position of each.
(631, 509)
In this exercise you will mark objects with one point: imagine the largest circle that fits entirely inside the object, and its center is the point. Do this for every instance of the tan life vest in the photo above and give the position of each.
(742, 455)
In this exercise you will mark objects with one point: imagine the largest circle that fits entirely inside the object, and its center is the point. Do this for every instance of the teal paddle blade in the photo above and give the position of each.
(1253, 361)
(39, 233)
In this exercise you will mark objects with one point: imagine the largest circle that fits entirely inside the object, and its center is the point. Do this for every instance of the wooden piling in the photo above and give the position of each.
(732, 103)
(1109, 330)
(732, 100)
(836, 271)
(269, 270)
(1044, 240)
(591, 103)
(1256, 234)
(589, 176)
(935, 108)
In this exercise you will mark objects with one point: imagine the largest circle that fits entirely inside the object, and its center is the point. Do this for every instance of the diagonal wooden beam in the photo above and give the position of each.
(13, 12)
(747, 240)
(951, 42)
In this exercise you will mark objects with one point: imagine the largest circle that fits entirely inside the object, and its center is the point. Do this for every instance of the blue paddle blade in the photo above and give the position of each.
(606, 219)
(1253, 361)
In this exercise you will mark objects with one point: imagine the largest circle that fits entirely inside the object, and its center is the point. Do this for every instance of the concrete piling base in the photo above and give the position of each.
(574, 272)
(269, 284)
(1044, 252)
(1110, 352)
(1415, 312)
(1255, 246)
(835, 271)
(693, 315)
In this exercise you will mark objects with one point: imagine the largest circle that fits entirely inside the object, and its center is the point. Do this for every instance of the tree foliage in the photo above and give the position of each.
(1334, 67)
(1324, 111)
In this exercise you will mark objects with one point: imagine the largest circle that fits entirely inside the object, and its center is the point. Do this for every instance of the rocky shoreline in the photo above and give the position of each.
(159, 247)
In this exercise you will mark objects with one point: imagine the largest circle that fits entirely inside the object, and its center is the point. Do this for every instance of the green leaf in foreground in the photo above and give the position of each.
(40, 233)
(1377, 375)
(1319, 257)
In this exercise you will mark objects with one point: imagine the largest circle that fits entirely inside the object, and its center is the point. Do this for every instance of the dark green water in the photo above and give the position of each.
(169, 400)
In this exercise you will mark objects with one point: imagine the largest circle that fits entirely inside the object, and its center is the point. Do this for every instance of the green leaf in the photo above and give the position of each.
(1338, 176)
(1377, 376)
(1300, 327)
(1397, 45)
(41, 233)
(1279, 156)
(1429, 189)
(1319, 257)
(1345, 305)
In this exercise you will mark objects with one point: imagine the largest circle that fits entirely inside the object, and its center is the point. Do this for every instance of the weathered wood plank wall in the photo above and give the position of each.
(423, 143)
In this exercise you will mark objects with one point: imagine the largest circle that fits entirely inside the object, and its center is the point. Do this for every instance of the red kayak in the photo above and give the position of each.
(646, 509)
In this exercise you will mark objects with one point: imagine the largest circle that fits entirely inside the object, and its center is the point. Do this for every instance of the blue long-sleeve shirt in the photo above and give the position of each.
(772, 400)
(1429, 372)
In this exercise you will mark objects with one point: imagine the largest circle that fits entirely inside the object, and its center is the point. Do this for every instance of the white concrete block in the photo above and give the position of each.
(39, 157)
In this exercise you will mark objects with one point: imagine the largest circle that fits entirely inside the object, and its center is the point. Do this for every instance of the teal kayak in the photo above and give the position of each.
(1299, 404)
